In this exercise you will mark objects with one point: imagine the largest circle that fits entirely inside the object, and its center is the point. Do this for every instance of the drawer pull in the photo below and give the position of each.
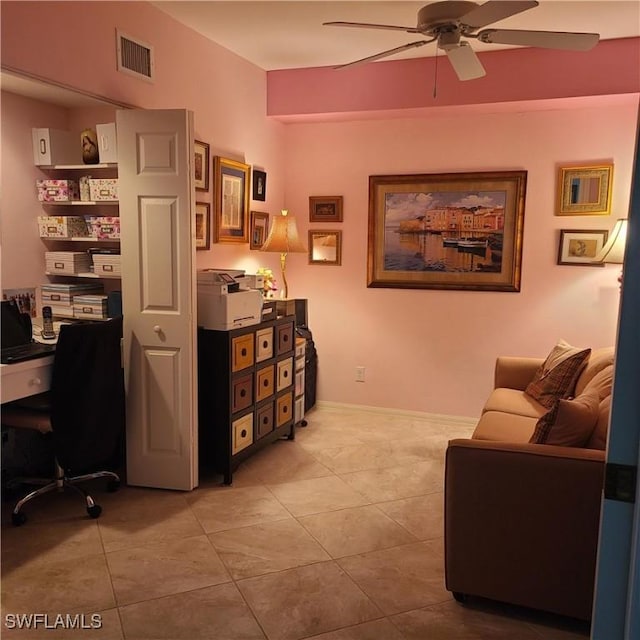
(36, 381)
(243, 433)
(265, 344)
(243, 393)
(157, 329)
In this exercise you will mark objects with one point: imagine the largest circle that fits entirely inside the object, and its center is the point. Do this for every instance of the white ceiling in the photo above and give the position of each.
(284, 35)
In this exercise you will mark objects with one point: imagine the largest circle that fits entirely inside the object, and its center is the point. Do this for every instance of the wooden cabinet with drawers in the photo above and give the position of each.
(246, 385)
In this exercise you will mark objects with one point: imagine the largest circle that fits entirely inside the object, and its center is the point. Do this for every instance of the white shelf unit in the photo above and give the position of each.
(81, 207)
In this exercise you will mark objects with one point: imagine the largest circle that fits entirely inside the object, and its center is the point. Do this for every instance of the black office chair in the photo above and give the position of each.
(84, 410)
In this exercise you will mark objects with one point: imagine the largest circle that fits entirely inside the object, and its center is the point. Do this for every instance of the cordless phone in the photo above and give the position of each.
(47, 324)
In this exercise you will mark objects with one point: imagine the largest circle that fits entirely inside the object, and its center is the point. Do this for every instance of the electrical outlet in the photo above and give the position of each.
(359, 374)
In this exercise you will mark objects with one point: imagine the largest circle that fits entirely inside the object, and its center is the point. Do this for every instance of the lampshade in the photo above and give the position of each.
(613, 250)
(283, 236)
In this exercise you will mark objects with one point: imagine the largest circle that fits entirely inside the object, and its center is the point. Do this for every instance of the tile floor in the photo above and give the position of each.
(335, 536)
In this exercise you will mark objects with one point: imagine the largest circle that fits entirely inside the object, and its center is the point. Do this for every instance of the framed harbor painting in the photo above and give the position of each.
(446, 231)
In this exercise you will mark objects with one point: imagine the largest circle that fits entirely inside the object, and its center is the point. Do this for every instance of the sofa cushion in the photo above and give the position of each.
(602, 382)
(504, 427)
(514, 402)
(598, 439)
(557, 376)
(570, 423)
(598, 360)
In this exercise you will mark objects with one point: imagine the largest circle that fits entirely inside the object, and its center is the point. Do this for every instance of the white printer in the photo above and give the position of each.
(222, 304)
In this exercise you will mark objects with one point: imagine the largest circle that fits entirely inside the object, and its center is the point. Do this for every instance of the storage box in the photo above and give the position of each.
(268, 309)
(101, 189)
(286, 307)
(90, 306)
(53, 146)
(67, 262)
(62, 227)
(57, 190)
(107, 265)
(107, 142)
(61, 295)
(103, 227)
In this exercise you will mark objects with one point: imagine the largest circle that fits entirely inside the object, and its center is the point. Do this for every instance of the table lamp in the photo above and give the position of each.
(283, 238)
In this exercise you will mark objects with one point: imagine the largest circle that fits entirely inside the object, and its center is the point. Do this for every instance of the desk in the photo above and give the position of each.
(26, 378)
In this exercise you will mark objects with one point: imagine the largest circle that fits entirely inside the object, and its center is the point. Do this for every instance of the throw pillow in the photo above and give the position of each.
(570, 423)
(557, 376)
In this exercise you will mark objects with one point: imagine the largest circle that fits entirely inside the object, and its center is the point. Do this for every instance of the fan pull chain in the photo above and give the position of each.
(435, 77)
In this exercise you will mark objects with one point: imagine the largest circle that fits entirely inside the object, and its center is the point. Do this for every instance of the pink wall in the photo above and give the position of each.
(434, 351)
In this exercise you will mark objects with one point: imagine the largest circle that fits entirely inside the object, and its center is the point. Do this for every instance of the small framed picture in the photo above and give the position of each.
(580, 248)
(259, 184)
(584, 191)
(259, 227)
(201, 165)
(203, 225)
(325, 209)
(325, 247)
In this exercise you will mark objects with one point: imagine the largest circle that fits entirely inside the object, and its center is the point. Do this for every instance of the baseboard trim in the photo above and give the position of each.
(435, 417)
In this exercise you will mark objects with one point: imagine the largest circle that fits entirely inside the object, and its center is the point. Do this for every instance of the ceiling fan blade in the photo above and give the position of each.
(465, 62)
(495, 10)
(543, 39)
(366, 25)
(384, 54)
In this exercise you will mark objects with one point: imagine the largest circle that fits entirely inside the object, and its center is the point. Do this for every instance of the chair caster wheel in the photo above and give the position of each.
(113, 486)
(18, 519)
(462, 598)
(94, 511)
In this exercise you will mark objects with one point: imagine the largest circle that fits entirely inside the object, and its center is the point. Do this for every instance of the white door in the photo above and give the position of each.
(156, 192)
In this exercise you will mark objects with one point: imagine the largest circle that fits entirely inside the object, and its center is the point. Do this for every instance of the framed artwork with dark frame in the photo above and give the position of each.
(325, 247)
(201, 165)
(584, 191)
(231, 200)
(325, 208)
(259, 228)
(259, 185)
(446, 231)
(579, 247)
(203, 225)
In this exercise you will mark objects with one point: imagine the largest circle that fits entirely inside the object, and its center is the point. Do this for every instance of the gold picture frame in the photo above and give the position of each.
(259, 228)
(446, 231)
(325, 247)
(231, 200)
(585, 191)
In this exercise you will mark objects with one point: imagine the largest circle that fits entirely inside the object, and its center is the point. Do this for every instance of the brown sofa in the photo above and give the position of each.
(521, 519)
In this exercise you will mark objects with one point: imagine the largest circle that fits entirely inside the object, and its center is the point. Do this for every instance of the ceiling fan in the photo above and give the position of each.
(449, 21)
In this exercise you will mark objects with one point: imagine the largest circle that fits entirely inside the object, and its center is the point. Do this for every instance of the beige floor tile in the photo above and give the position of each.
(265, 548)
(48, 541)
(307, 600)
(393, 483)
(355, 530)
(165, 568)
(134, 517)
(230, 507)
(423, 516)
(213, 613)
(400, 578)
(317, 495)
(284, 461)
(73, 585)
(316, 437)
(101, 625)
(452, 620)
(380, 629)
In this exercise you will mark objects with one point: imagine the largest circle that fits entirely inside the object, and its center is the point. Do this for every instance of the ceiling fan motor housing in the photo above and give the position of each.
(439, 14)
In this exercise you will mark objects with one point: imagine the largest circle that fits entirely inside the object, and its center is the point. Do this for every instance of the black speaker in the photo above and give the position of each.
(302, 318)
(114, 304)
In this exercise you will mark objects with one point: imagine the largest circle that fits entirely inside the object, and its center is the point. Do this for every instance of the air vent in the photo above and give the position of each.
(135, 57)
